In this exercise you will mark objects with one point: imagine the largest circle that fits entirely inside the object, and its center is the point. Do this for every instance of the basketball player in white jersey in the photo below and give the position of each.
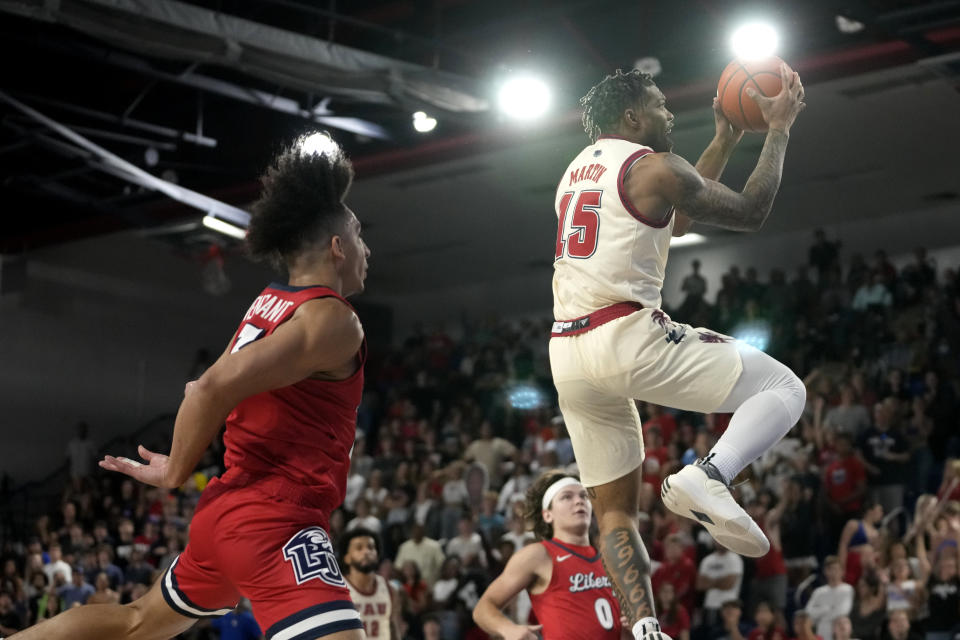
(373, 597)
(618, 203)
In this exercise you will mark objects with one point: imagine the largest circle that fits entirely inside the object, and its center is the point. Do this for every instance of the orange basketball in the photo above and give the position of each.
(740, 109)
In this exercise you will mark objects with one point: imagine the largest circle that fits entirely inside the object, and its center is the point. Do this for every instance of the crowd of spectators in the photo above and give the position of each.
(861, 500)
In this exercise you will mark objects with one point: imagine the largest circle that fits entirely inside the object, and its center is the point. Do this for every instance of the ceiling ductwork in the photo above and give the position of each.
(179, 31)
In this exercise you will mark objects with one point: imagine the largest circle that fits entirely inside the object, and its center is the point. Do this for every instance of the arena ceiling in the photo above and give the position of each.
(202, 93)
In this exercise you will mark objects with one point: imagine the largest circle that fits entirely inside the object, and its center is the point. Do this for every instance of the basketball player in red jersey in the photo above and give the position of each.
(618, 204)
(569, 590)
(288, 386)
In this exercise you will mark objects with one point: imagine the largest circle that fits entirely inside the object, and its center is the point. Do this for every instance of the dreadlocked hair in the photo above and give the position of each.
(301, 201)
(533, 504)
(606, 101)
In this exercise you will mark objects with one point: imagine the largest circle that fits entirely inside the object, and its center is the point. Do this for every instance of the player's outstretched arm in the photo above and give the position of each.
(323, 335)
(712, 203)
(713, 160)
(523, 570)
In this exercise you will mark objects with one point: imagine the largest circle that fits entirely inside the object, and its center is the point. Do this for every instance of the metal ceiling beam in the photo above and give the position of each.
(132, 173)
(168, 132)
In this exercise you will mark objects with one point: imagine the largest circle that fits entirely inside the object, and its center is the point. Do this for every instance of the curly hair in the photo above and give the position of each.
(606, 101)
(352, 534)
(533, 504)
(301, 201)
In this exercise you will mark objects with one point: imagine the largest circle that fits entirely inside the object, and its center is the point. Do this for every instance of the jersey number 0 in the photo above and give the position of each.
(581, 240)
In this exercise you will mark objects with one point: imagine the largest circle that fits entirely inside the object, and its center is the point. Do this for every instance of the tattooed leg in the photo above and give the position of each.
(625, 557)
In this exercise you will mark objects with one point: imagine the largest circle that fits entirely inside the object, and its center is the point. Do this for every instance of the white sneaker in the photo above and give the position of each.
(698, 492)
(649, 629)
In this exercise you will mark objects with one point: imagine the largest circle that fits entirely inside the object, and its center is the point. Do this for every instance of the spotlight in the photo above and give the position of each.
(318, 143)
(526, 396)
(423, 123)
(224, 227)
(754, 333)
(524, 97)
(848, 25)
(754, 41)
(649, 65)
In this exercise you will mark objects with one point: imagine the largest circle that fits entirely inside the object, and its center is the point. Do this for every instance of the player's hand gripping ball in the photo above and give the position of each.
(739, 108)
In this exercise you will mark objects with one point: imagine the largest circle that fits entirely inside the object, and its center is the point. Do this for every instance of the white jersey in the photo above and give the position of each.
(607, 251)
(375, 608)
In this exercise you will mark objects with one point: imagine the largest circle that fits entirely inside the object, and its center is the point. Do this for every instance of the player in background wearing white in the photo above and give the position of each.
(618, 204)
(566, 584)
(371, 594)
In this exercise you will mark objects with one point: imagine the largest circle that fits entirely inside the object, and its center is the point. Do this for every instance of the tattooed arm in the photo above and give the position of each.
(712, 203)
(712, 160)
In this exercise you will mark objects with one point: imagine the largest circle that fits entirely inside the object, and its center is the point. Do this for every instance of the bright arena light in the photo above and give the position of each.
(423, 123)
(754, 41)
(687, 239)
(524, 97)
(224, 227)
(319, 143)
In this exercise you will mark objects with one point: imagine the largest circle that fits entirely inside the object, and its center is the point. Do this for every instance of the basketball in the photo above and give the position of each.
(739, 108)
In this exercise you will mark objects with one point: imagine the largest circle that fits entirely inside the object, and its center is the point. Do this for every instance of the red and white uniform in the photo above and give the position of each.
(611, 343)
(375, 608)
(579, 603)
(260, 530)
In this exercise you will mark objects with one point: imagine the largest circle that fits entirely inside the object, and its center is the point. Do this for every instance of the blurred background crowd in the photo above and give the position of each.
(861, 500)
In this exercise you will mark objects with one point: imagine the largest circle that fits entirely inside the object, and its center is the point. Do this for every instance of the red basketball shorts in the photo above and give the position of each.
(242, 543)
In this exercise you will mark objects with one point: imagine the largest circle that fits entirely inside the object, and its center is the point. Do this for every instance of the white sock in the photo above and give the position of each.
(767, 400)
(644, 626)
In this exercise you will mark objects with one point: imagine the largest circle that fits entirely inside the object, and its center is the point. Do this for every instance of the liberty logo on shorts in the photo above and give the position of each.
(312, 556)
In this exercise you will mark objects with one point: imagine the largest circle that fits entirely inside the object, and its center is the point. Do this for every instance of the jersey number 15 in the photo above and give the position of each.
(581, 240)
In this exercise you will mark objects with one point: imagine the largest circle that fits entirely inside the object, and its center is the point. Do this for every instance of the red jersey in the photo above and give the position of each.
(578, 604)
(682, 574)
(299, 436)
(840, 480)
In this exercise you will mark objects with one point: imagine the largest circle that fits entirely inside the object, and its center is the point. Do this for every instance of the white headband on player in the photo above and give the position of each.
(555, 488)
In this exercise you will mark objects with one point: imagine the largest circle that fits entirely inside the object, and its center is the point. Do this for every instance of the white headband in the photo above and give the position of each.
(555, 488)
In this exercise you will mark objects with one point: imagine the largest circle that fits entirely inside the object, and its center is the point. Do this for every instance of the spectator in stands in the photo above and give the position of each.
(869, 607)
(856, 535)
(103, 593)
(942, 586)
(364, 518)
(491, 452)
(824, 255)
(238, 624)
(770, 571)
(886, 455)
(57, 564)
(105, 565)
(516, 485)
(423, 552)
(831, 600)
(767, 627)
(467, 544)
(10, 620)
(849, 416)
(898, 627)
(719, 576)
(77, 592)
(844, 486)
(80, 455)
(673, 616)
(842, 628)
(902, 591)
(415, 588)
(872, 295)
(803, 626)
(730, 626)
(677, 570)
